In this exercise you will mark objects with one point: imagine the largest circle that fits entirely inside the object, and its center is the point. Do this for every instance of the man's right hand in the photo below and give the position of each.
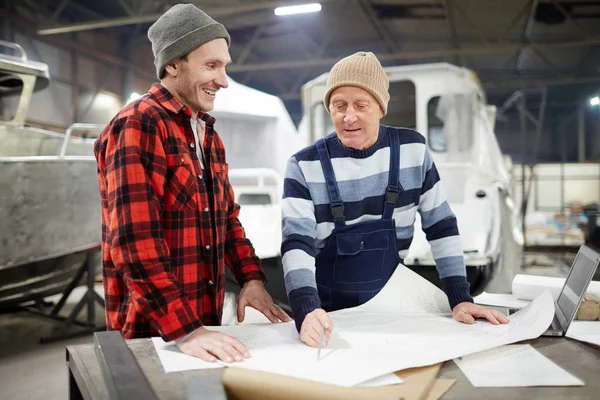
(212, 346)
(310, 332)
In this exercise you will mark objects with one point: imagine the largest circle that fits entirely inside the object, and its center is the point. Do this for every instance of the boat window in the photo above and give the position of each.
(435, 130)
(11, 87)
(254, 199)
(451, 122)
(321, 122)
(402, 109)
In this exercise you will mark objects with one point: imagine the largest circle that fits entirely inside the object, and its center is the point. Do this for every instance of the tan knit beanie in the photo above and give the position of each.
(363, 70)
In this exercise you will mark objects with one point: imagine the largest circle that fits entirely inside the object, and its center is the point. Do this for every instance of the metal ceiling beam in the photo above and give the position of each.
(526, 33)
(301, 78)
(43, 9)
(492, 85)
(140, 19)
(126, 7)
(486, 40)
(250, 45)
(70, 44)
(583, 61)
(506, 85)
(377, 25)
(514, 21)
(451, 27)
(106, 23)
(59, 9)
(570, 18)
(413, 55)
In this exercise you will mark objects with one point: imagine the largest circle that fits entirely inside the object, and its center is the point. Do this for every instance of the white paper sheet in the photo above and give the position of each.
(500, 300)
(585, 331)
(173, 360)
(514, 366)
(408, 324)
(384, 380)
(254, 336)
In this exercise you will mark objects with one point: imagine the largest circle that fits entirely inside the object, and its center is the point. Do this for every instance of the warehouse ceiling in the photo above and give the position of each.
(510, 44)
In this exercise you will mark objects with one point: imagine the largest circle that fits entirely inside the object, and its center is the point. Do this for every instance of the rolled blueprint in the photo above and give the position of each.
(528, 287)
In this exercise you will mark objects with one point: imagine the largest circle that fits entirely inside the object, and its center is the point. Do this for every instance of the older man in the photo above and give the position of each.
(170, 224)
(346, 202)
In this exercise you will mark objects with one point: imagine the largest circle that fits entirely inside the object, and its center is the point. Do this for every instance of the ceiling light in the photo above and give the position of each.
(595, 101)
(134, 96)
(298, 9)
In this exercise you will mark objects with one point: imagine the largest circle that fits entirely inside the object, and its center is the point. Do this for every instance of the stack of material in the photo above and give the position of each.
(528, 287)
(419, 384)
(589, 310)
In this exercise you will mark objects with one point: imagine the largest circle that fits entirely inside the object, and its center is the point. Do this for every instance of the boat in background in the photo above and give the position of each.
(49, 198)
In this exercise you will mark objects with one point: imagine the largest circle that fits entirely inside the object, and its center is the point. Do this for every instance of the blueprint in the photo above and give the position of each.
(408, 324)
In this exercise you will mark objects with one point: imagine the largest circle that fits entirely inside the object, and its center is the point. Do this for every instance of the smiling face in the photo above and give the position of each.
(355, 115)
(196, 78)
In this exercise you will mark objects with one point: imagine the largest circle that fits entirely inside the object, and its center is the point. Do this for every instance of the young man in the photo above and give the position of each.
(349, 206)
(170, 224)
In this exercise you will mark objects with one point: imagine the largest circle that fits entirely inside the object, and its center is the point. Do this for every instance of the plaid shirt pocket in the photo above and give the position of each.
(181, 183)
(220, 171)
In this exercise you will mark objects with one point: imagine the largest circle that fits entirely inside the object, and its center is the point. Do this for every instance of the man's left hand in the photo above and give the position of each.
(255, 295)
(467, 312)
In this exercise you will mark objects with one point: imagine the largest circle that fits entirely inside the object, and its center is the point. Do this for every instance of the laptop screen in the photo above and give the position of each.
(576, 284)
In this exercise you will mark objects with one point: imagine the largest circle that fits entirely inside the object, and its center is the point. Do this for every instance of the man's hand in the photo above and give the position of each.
(467, 312)
(211, 345)
(310, 332)
(255, 295)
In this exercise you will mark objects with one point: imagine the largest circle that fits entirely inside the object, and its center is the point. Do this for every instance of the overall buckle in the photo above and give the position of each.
(391, 194)
(337, 209)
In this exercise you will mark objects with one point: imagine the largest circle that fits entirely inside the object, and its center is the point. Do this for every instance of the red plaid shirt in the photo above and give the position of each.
(164, 251)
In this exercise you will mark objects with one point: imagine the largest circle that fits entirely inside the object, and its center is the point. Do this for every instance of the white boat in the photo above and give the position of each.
(447, 105)
(49, 198)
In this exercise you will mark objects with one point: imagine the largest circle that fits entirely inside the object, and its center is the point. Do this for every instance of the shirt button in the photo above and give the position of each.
(211, 283)
(182, 160)
(192, 145)
(207, 247)
(206, 209)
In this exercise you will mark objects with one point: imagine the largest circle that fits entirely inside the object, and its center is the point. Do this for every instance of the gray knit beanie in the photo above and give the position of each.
(178, 31)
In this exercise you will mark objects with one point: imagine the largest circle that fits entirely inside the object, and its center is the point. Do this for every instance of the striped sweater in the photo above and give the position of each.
(362, 177)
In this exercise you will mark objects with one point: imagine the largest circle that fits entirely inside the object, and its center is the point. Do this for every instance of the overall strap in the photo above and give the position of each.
(393, 189)
(336, 204)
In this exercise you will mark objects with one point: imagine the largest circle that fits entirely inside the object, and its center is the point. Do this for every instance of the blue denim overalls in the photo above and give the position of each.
(358, 259)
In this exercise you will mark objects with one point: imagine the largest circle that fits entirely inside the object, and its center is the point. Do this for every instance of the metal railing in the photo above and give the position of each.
(77, 127)
(16, 47)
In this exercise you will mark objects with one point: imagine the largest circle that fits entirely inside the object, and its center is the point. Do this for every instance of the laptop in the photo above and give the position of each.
(572, 293)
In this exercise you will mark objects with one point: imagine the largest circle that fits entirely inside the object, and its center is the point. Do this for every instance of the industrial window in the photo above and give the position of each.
(254, 199)
(435, 130)
(402, 106)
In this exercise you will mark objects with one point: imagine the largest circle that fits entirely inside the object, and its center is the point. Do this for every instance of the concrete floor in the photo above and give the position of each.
(30, 370)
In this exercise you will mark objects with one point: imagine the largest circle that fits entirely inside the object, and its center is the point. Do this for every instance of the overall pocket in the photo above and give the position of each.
(360, 257)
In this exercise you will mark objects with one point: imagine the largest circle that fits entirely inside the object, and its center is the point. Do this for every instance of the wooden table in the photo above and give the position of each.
(87, 380)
